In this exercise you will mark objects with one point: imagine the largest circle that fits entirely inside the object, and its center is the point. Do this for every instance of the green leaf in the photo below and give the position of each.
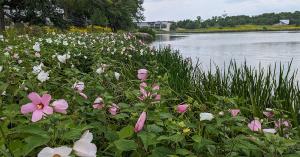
(72, 134)
(125, 145)
(3, 87)
(147, 138)
(177, 138)
(121, 116)
(211, 149)
(111, 135)
(16, 146)
(161, 152)
(154, 128)
(182, 151)
(174, 138)
(126, 132)
(30, 143)
(197, 138)
(165, 115)
(32, 129)
(33, 142)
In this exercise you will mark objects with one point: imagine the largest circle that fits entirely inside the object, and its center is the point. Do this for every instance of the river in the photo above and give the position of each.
(257, 48)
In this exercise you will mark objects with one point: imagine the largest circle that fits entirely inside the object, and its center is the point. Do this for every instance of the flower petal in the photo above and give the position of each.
(63, 150)
(48, 110)
(206, 116)
(234, 112)
(255, 125)
(83, 95)
(30, 107)
(271, 131)
(60, 106)
(140, 122)
(37, 115)
(87, 136)
(157, 97)
(85, 149)
(46, 152)
(35, 98)
(155, 87)
(46, 99)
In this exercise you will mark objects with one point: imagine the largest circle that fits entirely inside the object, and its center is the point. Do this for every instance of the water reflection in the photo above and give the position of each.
(257, 48)
(168, 37)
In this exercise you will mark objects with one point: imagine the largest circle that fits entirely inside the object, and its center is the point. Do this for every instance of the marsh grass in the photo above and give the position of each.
(253, 89)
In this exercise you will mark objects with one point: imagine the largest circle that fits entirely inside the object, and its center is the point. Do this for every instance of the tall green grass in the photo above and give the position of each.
(251, 88)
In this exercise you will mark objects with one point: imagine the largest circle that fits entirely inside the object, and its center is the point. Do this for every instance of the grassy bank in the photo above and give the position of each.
(242, 28)
(136, 101)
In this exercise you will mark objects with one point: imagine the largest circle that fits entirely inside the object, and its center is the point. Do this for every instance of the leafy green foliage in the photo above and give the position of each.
(94, 59)
(232, 21)
(62, 13)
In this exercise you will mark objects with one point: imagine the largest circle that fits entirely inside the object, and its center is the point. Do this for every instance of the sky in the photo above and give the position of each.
(174, 10)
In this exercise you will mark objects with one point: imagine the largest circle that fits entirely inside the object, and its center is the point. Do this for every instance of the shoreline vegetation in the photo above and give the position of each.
(263, 22)
(134, 100)
(77, 89)
(241, 28)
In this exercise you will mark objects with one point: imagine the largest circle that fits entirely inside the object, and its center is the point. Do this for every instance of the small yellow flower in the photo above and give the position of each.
(186, 130)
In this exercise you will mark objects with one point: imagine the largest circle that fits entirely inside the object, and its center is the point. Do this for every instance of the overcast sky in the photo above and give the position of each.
(190, 9)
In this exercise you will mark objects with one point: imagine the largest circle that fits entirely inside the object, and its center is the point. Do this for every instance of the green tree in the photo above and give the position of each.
(118, 14)
(31, 11)
(122, 13)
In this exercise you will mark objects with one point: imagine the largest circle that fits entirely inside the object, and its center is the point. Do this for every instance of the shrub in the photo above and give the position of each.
(98, 101)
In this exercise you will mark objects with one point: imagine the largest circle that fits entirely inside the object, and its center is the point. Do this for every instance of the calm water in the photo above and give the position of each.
(256, 48)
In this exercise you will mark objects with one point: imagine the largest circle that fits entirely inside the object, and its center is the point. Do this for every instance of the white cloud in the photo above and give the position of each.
(190, 9)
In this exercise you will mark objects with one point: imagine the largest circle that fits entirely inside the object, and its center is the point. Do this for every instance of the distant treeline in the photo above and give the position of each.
(116, 14)
(231, 21)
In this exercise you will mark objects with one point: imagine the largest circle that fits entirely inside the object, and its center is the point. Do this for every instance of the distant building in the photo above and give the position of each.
(284, 22)
(162, 25)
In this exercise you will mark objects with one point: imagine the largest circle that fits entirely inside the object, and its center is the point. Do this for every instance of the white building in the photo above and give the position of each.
(161, 25)
(284, 22)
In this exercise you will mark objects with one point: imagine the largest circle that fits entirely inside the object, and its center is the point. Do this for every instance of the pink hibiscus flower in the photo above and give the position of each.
(39, 106)
(142, 74)
(282, 123)
(98, 103)
(113, 110)
(60, 106)
(79, 87)
(234, 112)
(140, 122)
(146, 94)
(255, 125)
(182, 108)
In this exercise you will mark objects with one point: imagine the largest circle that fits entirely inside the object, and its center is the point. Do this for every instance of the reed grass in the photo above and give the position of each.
(253, 88)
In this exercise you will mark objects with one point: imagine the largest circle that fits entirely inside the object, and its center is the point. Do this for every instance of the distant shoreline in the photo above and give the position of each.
(242, 28)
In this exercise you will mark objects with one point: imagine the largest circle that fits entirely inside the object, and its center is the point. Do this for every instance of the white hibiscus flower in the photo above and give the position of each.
(83, 147)
(43, 76)
(117, 75)
(55, 152)
(36, 47)
(271, 131)
(206, 116)
(37, 69)
(63, 58)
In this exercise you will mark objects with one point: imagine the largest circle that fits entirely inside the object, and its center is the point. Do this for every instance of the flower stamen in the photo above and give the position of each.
(40, 106)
